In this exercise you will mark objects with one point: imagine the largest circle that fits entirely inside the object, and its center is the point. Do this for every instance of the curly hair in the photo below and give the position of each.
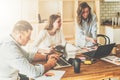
(80, 9)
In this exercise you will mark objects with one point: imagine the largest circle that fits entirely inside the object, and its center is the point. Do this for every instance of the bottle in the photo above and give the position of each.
(118, 14)
(113, 21)
(117, 18)
(76, 64)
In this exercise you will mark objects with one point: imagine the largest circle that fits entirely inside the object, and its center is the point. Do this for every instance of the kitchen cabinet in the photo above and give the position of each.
(113, 33)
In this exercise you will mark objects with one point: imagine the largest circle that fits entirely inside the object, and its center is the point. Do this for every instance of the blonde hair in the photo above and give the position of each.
(52, 19)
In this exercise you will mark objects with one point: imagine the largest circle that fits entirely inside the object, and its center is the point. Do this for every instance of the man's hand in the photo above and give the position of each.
(52, 62)
(52, 59)
(56, 56)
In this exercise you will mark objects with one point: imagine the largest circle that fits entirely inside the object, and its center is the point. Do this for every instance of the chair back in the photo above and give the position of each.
(105, 39)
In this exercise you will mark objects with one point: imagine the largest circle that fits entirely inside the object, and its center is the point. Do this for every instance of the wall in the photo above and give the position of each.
(108, 10)
(12, 11)
(48, 7)
(68, 10)
(29, 10)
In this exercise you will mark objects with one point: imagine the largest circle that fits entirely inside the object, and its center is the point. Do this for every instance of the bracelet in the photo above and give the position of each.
(46, 57)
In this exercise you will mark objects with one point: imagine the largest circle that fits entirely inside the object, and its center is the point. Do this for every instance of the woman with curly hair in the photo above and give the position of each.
(86, 29)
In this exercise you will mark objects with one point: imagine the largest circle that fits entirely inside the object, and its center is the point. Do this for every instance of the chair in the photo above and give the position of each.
(23, 77)
(103, 39)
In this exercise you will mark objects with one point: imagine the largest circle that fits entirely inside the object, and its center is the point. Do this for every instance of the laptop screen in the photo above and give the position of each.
(103, 50)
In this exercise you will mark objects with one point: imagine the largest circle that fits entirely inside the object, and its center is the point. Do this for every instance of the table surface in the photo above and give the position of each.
(96, 71)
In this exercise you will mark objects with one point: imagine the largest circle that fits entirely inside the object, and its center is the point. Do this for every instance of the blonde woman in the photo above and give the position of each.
(51, 35)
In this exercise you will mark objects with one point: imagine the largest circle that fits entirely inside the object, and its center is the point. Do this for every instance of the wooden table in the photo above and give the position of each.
(97, 71)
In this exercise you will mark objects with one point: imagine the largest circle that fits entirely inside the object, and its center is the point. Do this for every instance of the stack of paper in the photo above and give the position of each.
(112, 59)
(71, 50)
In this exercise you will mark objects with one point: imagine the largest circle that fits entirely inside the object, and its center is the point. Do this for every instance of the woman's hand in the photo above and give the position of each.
(94, 41)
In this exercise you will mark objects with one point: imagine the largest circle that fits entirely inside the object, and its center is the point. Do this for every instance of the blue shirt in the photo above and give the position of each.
(87, 30)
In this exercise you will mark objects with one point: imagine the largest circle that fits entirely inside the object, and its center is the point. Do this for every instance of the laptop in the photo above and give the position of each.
(102, 51)
(63, 62)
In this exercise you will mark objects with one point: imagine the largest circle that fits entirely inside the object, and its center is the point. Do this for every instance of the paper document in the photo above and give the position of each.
(71, 51)
(56, 75)
(71, 48)
(112, 59)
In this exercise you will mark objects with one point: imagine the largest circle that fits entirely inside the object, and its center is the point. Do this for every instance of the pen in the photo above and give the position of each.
(109, 59)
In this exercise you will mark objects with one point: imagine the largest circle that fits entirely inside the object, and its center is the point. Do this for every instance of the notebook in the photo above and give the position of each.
(102, 51)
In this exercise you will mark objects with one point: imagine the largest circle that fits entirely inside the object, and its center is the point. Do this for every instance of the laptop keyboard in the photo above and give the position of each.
(62, 62)
(90, 53)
